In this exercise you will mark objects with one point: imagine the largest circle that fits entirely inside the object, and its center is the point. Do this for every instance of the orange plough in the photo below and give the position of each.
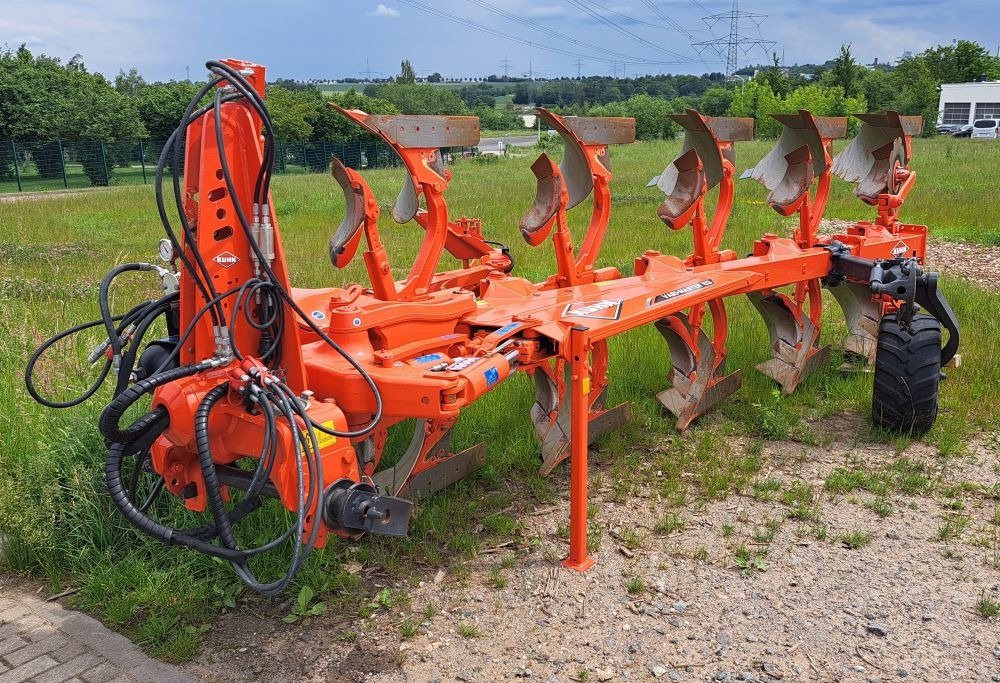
(260, 391)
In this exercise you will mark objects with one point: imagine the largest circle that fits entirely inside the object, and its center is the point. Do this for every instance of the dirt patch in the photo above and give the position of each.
(753, 587)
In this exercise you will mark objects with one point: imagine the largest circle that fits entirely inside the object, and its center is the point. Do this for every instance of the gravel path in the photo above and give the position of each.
(903, 607)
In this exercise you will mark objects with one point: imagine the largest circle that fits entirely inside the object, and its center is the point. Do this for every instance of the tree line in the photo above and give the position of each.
(42, 98)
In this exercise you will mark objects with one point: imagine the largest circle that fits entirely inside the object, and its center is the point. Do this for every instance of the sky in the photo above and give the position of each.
(305, 39)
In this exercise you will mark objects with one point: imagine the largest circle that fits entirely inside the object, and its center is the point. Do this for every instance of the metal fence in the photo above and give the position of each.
(56, 164)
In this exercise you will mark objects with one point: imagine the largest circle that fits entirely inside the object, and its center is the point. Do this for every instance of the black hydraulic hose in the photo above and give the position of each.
(213, 489)
(108, 424)
(227, 176)
(104, 302)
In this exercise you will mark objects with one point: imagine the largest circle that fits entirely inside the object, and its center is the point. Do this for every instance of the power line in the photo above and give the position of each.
(588, 7)
(729, 46)
(666, 18)
(423, 7)
(505, 64)
(550, 31)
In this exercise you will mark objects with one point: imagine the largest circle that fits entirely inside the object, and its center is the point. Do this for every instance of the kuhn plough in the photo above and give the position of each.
(304, 384)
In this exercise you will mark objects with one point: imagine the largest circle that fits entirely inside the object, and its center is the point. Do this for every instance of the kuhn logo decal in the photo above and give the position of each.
(900, 249)
(605, 309)
(680, 291)
(227, 259)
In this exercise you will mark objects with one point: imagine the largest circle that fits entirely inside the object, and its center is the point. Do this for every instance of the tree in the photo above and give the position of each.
(775, 78)
(406, 73)
(650, 114)
(846, 73)
(161, 106)
(129, 83)
(879, 89)
(963, 62)
(290, 113)
(43, 99)
(435, 78)
(916, 91)
(715, 101)
(757, 100)
(418, 98)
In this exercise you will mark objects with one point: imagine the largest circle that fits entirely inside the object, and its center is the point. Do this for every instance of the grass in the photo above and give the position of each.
(61, 526)
(987, 607)
(855, 540)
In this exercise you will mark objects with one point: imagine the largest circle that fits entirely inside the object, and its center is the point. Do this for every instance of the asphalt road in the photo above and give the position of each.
(493, 144)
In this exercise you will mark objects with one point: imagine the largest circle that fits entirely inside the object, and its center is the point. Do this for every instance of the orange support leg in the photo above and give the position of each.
(578, 558)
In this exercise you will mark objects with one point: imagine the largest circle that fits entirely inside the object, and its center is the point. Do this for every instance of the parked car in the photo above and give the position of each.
(963, 132)
(986, 129)
(948, 128)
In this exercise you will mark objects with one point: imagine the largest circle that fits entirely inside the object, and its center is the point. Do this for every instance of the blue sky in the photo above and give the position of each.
(331, 38)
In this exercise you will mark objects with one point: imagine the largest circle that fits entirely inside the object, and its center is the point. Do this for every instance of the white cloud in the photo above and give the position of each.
(383, 11)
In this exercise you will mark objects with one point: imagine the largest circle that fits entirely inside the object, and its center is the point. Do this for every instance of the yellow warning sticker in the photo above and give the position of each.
(586, 386)
(322, 438)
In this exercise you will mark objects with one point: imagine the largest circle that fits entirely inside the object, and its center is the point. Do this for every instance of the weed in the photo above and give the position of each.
(407, 629)
(582, 675)
(766, 533)
(766, 488)
(855, 539)
(953, 527)
(727, 530)
(668, 524)
(700, 554)
(497, 579)
(430, 611)
(467, 630)
(635, 586)
(633, 538)
(772, 421)
(748, 561)
(880, 506)
(304, 607)
(800, 499)
(987, 607)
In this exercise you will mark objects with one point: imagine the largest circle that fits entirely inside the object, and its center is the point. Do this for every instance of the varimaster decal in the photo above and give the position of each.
(605, 309)
(900, 249)
(680, 291)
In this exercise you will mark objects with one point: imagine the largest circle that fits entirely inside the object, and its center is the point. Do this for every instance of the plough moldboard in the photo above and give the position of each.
(304, 384)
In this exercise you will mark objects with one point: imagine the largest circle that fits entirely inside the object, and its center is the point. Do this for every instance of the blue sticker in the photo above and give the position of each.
(319, 315)
(428, 358)
(492, 376)
(506, 328)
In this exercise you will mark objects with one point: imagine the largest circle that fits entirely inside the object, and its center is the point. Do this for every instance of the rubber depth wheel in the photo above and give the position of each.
(907, 374)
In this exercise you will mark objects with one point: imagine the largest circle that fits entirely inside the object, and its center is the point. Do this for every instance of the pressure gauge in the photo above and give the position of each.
(166, 250)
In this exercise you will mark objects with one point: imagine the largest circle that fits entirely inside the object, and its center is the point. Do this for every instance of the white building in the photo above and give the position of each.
(963, 103)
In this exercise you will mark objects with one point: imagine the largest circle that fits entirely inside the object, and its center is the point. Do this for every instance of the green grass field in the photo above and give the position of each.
(60, 525)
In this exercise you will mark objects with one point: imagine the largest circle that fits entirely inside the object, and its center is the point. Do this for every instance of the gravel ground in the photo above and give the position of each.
(903, 607)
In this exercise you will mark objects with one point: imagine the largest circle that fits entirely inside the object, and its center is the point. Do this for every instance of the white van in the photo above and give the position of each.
(986, 129)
